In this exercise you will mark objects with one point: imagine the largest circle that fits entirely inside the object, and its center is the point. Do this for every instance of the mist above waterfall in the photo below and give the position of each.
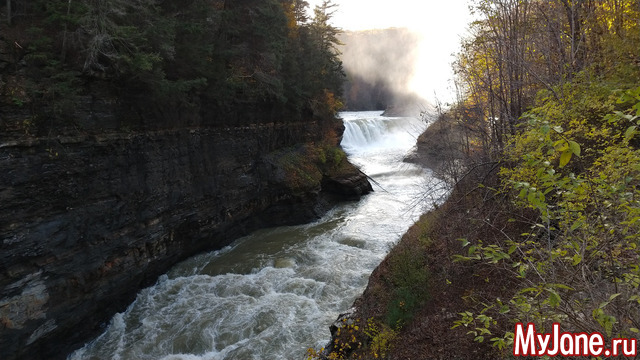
(380, 65)
(435, 30)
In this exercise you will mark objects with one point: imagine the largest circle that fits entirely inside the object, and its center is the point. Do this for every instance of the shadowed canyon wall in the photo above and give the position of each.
(87, 220)
(134, 134)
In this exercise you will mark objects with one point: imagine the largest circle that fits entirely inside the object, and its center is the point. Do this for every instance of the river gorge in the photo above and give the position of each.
(274, 293)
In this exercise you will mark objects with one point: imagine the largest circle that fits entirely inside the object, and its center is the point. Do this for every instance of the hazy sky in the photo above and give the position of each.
(440, 22)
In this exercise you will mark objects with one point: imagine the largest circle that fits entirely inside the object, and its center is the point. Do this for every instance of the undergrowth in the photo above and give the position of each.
(303, 168)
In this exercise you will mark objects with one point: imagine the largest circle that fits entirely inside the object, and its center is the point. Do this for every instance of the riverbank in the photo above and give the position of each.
(417, 294)
(419, 321)
(414, 296)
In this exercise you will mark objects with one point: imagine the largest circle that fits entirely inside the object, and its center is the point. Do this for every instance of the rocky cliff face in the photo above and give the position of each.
(87, 220)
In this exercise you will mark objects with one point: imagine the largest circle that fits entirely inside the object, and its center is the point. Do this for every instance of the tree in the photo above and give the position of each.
(324, 57)
(569, 172)
(520, 47)
(9, 12)
(225, 61)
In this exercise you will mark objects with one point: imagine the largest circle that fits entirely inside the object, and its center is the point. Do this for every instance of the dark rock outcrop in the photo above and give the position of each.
(349, 187)
(87, 220)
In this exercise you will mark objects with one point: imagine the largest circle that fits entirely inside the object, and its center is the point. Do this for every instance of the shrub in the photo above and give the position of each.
(578, 263)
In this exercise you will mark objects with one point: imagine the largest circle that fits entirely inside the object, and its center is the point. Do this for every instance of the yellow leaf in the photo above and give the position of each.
(565, 158)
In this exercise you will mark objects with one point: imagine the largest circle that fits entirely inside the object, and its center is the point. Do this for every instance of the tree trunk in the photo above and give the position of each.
(574, 18)
(64, 37)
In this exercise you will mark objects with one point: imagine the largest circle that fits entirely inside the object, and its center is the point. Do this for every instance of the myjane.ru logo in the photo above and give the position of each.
(528, 342)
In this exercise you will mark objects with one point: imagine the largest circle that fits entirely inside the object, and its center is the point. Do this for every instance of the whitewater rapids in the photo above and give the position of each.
(274, 293)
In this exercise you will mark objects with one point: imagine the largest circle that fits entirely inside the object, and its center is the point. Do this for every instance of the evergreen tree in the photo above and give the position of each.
(223, 61)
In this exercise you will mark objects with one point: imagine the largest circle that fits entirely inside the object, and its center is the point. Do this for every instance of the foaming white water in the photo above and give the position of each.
(273, 294)
(370, 132)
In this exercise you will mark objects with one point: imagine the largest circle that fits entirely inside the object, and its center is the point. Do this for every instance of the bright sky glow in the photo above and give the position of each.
(441, 24)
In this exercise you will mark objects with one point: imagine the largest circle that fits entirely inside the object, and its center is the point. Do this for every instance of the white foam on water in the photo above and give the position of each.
(274, 293)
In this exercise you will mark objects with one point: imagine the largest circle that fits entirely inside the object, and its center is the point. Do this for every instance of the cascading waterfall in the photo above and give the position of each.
(370, 132)
(273, 294)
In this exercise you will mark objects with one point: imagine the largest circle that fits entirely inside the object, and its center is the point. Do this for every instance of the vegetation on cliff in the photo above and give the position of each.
(542, 226)
(163, 64)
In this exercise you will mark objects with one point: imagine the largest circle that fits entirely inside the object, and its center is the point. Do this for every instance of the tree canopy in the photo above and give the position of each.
(224, 61)
(518, 48)
(550, 94)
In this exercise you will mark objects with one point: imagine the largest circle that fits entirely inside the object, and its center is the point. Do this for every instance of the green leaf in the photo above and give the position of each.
(558, 129)
(499, 342)
(554, 298)
(624, 116)
(574, 147)
(630, 133)
(605, 303)
(613, 296)
(577, 259)
(606, 321)
(523, 193)
(565, 158)
(529, 289)
(561, 145)
(563, 286)
(576, 225)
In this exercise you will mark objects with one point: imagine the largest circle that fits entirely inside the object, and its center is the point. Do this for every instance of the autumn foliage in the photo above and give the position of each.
(542, 147)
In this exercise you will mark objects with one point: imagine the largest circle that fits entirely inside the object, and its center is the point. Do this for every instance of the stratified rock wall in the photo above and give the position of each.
(87, 220)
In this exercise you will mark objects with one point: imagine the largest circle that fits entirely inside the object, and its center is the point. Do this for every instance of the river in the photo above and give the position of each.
(274, 293)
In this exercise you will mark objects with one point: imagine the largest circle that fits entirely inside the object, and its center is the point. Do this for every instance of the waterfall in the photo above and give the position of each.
(369, 131)
(274, 293)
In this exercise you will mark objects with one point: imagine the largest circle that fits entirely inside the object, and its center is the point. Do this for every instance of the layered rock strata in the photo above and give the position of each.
(88, 220)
